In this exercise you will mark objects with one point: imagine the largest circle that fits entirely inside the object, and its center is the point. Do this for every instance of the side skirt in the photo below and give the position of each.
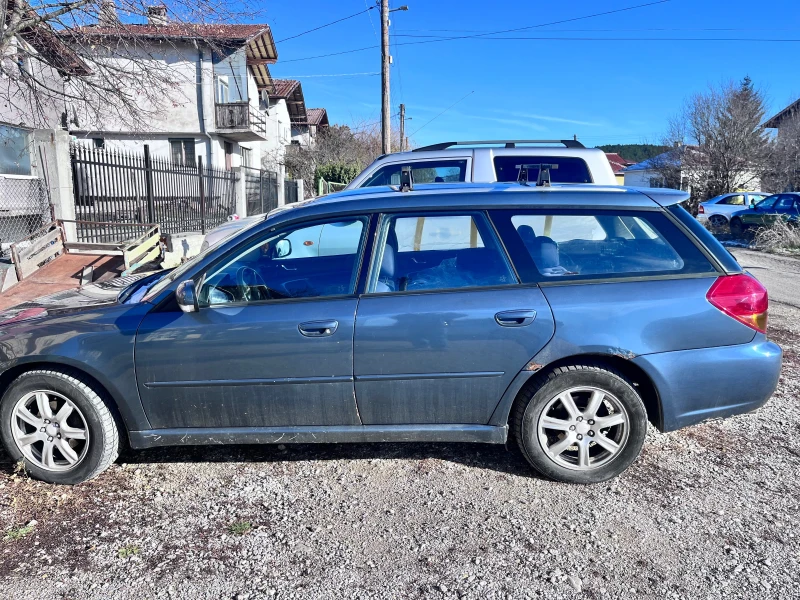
(485, 434)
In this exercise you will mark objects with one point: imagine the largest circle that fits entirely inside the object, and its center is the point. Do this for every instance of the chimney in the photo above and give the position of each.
(157, 15)
(107, 17)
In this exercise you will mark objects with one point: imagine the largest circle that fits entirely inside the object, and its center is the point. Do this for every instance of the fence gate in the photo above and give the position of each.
(290, 191)
(261, 190)
(24, 209)
(125, 187)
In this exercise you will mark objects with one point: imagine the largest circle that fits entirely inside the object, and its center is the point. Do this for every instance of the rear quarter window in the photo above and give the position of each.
(556, 245)
(570, 169)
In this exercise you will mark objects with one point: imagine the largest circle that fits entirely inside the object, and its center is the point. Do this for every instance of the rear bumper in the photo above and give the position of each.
(707, 383)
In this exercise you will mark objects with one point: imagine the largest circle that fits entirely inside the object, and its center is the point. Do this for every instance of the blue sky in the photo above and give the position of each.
(608, 91)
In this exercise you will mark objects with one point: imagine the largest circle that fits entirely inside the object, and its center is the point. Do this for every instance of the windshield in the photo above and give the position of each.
(177, 273)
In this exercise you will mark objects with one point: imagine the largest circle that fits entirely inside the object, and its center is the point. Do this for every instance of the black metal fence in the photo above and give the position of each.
(290, 190)
(125, 187)
(261, 190)
(24, 209)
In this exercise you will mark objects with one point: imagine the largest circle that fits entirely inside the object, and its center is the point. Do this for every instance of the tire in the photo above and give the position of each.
(737, 227)
(539, 405)
(718, 221)
(83, 440)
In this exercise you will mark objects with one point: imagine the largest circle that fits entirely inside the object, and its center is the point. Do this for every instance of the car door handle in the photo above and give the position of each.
(318, 328)
(515, 318)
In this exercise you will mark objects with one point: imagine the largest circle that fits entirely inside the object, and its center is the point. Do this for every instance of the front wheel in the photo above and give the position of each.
(582, 423)
(718, 221)
(59, 426)
(737, 227)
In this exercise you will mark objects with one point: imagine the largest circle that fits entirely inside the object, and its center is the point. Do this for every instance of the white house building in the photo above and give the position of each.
(216, 104)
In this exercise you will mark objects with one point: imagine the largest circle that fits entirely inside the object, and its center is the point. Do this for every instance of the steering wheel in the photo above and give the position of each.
(255, 289)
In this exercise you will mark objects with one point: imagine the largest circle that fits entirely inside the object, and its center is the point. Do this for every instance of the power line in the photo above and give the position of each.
(326, 25)
(441, 113)
(479, 35)
(328, 75)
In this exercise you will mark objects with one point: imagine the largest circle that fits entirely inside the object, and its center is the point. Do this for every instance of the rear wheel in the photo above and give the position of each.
(737, 227)
(59, 426)
(582, 423)
(718, 221)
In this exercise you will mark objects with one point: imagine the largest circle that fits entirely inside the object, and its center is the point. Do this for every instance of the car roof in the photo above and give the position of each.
(457, 196)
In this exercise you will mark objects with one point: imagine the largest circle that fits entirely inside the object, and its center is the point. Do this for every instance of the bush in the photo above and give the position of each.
(779, 237)
(337, 172)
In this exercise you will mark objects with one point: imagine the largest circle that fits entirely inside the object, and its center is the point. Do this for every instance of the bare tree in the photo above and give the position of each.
(61, 58)
(721, 143)
(784, 174)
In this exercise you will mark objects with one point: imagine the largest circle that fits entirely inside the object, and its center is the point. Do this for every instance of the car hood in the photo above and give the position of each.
(89, 296)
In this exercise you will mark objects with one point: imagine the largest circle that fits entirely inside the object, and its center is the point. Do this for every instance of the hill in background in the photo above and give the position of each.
(634, 152)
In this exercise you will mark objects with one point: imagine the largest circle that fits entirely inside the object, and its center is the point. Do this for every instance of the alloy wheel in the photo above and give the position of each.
(583, 428)
(50, 430)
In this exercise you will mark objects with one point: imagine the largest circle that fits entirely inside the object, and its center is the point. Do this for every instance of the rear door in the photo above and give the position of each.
(445, 325)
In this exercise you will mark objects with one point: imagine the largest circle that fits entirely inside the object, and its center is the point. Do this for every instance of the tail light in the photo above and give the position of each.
(701, 209)
(743, 298)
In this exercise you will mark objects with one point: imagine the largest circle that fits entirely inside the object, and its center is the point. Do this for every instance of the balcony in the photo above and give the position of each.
(241, 122)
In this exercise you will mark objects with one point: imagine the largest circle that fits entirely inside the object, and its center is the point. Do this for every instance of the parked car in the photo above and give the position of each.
(490, 161)
(560, 319)
(718, 210)
(784, 206)
(462, 162)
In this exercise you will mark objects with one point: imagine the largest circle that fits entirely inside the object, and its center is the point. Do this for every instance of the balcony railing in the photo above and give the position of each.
(240, 116)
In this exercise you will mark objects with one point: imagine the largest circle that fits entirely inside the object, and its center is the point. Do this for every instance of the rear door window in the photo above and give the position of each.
(430, 171)
(737, 200)
(567, 169)
(562, 244)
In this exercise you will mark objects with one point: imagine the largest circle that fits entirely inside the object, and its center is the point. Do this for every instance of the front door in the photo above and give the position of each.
(272, 343)
(445, 326)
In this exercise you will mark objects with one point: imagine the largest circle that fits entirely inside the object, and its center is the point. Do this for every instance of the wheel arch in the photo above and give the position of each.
(526, 379)
(105, 391)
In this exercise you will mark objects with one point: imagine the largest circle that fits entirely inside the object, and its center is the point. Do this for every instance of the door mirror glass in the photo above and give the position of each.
(283, 248)
(186, 297)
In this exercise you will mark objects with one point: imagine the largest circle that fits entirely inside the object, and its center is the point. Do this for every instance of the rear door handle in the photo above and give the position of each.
(318, 328)
(515, 318)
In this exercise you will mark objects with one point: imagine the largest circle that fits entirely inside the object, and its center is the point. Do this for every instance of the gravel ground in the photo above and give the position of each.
(712, 511)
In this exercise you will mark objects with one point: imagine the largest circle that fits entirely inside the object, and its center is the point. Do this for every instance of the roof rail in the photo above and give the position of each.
(507, 143)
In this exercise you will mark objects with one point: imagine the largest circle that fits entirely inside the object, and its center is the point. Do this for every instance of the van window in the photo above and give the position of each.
(430, 171)
(570, 169)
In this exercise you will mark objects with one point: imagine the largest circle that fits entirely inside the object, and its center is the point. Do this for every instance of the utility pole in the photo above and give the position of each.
(386, 60)
(402, 127)
(386, 133)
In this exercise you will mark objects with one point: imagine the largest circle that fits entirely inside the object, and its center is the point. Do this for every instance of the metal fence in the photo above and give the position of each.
(290, 189)
(261, 190)
(24, 209)
(125, 187)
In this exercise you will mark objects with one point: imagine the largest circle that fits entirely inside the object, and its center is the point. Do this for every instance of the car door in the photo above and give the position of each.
(729, 205)
(786, 208)
(444, 326)
(272, 341)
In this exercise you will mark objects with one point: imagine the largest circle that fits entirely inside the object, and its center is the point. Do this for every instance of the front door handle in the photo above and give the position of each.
(515, 318)
(318, 328)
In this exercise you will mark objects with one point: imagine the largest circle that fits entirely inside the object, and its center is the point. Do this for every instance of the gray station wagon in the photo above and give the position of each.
(556, 319)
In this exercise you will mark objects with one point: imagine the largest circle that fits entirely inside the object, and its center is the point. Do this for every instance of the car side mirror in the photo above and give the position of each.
(283, 248)
(186, 296)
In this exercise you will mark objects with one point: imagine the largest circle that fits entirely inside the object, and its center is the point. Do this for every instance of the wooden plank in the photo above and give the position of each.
(31, 264)
(39, 245)
(143, 259)
(133, 255)
(101, 246)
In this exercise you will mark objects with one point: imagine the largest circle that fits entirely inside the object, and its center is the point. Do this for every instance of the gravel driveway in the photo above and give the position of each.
(712, 511)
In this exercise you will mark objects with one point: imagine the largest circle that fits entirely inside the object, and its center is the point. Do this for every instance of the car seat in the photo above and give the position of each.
(386, 282)
(543, 250)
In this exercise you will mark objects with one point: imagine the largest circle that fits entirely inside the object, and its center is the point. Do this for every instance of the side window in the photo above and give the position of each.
(434, 252)
(768, 202)
(737, 200)
(432, 171)
(580, 245)
(304, 262)
(568, 169)
(784, 203)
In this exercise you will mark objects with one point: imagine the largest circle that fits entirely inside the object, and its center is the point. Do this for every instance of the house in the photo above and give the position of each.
(209, 90)
(670, 169)
(305, 131)
(618, 165)
(783, 117)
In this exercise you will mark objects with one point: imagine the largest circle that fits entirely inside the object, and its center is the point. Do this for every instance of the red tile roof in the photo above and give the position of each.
(618, 164)
(284, 87)
(216, 32)
(316, 116)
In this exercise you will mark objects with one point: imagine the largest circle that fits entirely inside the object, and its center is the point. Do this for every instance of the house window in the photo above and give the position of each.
(99, 142)
(247, 157)
(228, 156)
(182, 152)
(15, 153)
(656, 182)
